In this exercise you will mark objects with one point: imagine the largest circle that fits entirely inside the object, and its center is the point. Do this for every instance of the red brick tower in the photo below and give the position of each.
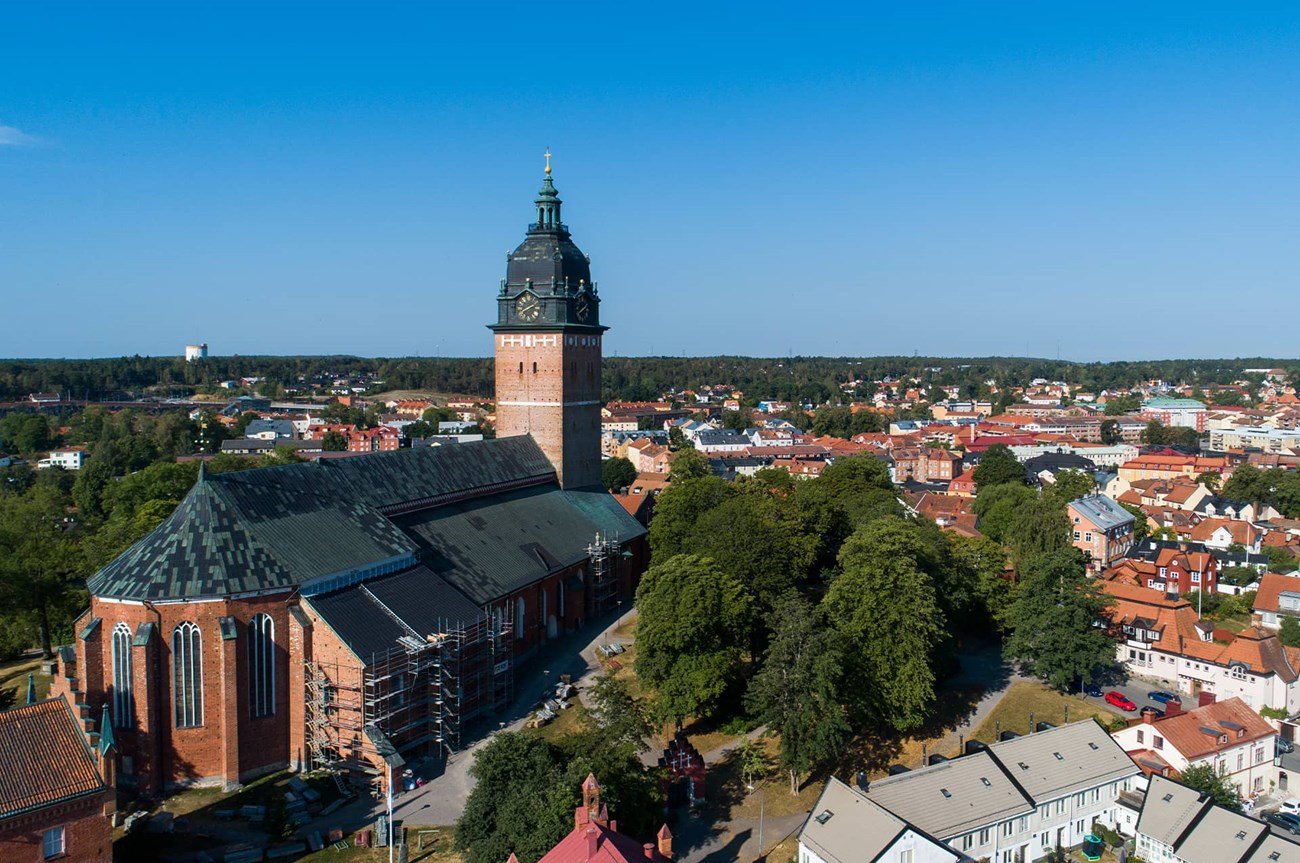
(548, 346)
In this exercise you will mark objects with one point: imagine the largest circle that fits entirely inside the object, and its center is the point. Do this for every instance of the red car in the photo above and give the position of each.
(1120, 700)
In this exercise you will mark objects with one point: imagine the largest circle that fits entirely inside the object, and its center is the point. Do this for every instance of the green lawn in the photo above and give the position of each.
(1044, 703)
(13, 680)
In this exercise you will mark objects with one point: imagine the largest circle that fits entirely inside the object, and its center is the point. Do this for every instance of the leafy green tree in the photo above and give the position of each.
(1038, 529)
(1141, 526)
(40, 565)
(693, 619)
(26, 433)
(999, 506)
(1071, 485)
(736, 420)
(678, 510)
(797, 691)
(521, 802)
(210, 433)
(617, 473)
(998, 466)
(1211, 479)
(884, 605)
(689, 463)
(243, 422)
(986, 563)
(677, 440)
(1289, 634)
(858, 485)
(1110, 434)
(1206, 779)
(1122, 405)
(756, 539)
(333, 441)
(1054, 618)
(620, 716)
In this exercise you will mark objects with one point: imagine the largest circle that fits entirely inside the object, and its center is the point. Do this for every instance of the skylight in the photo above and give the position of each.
(824, 816)
(945, 792)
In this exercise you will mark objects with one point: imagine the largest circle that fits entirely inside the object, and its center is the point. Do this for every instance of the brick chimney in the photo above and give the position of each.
(649, 849)
(1173, 708)
(1205, 698)
(1149, 718)
(593, 840)
(665, 838)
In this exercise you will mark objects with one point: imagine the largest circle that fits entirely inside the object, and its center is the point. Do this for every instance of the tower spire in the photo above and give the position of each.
(548, 161)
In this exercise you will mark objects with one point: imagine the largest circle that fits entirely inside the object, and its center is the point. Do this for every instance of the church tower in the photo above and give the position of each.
(548, 351)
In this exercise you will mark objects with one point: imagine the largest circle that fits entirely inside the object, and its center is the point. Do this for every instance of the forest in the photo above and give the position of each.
(814, 380)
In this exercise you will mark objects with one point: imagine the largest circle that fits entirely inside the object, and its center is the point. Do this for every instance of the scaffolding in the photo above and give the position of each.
(416, 695)
(603, 556)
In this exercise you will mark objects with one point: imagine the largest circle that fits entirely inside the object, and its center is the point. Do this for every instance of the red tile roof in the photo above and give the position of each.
(46, 757)
(1186, 731)
(1271, 586)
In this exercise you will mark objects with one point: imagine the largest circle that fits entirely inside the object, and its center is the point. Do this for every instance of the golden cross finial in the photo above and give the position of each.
(548, 160)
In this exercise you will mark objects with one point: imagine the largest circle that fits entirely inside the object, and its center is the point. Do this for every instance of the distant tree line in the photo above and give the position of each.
(813, 380)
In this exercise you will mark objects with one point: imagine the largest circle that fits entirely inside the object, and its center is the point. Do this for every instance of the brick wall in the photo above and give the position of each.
(87, 836)
(229, 745)
(548, 385)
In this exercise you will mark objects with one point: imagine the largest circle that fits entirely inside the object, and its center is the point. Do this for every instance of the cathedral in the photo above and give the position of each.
(330, 614)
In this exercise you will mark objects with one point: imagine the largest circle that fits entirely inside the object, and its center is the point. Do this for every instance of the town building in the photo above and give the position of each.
(1185, 413)
(68, 458)
(1178, 824)
(595, 838)
(56, 792)
(1278, 597)
(1102, 529)
(1227, 736)
(1007, 802)
(846, 826)
(1162, 638)
(336, 613)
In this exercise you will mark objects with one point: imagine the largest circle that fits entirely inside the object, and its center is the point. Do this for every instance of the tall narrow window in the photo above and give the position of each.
(187, 675)
(519, 617)
(261, 666)
(123, 706)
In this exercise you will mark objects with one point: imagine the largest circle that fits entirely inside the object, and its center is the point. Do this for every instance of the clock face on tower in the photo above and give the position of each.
(583, 308)
(528, 307)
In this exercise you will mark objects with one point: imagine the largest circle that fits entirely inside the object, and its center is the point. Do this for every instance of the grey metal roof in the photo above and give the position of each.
(846, 826)
(1168, 810)
(1220, 836)
(1102, 511)
(953, 797)
(1286, 851)
(1059, 761)
(720, 438)
(370, 617)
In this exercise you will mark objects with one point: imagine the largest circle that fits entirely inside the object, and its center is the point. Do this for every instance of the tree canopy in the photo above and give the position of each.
(693, 620)
(998, 466)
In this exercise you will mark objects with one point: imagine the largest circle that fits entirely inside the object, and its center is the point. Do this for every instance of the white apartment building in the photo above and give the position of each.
(846, 827)
(1012, 802)
(1264, 439)
(1178, 824)
(68, 459)
(1226, 735)
(1101, 456)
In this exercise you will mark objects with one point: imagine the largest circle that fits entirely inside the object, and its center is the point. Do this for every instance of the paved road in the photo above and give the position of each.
(442, 798)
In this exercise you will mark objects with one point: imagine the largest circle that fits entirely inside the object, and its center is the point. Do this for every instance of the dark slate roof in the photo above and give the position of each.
(279, 527)
(370, 617)
(237, 537)
(1102, 511)
(45, 756)
(493, 545)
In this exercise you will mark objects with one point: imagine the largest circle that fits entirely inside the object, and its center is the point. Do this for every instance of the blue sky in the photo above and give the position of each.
(1106, 180)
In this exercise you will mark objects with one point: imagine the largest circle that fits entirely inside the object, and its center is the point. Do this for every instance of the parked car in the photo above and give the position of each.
(1290, 806)
(1284, 820)
(1285, 745)
(1093, 689)
(1118, 699)
(1163, 696)
(1153, 711)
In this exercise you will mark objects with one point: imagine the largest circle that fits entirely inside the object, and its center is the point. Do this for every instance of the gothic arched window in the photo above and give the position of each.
(123, 705)
(261, 666)
(187, 675)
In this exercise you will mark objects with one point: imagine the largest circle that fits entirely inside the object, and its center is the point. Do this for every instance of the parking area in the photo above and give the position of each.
(1137, 691)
